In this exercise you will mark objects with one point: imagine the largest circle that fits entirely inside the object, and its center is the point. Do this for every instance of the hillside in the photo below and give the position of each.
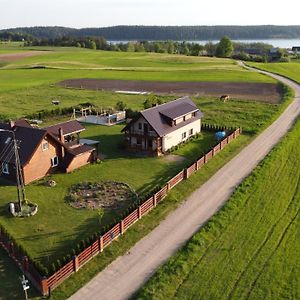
(120, 33)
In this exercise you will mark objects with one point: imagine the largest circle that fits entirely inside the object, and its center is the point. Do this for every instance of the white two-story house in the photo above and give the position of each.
(159, 128)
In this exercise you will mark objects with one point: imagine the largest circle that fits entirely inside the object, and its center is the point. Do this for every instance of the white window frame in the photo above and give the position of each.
(183, 135)
(45, 143)
(5, 168)
(54, 161)
(191, 131)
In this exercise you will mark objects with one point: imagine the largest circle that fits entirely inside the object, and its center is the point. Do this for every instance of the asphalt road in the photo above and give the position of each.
(128, 273)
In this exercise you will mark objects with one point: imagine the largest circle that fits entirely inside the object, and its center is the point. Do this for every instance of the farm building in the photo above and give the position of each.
(43, 151)
(159, 128)
(296, 50)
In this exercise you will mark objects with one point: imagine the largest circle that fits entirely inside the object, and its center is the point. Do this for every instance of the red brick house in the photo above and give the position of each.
(43, 151)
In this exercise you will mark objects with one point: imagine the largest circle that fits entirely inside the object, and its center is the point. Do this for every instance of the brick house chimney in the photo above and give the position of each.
(62, 140)
(12, 124)
(61, 135)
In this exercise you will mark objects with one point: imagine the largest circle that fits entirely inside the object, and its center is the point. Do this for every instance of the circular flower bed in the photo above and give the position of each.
(103, 194)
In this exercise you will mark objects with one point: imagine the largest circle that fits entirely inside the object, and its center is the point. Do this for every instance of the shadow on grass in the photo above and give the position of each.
(10, 284)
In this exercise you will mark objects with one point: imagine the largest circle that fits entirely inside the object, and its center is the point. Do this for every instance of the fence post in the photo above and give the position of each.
(213, 151)
(140, 212)
(75, 263)
(44, 286)
(11, 248)
(25, 263)
(168, 186)
(122, 227)
(100, 241)
(154, 200)
(185, 174)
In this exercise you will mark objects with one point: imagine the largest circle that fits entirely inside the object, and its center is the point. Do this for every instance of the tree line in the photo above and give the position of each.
(176, 33)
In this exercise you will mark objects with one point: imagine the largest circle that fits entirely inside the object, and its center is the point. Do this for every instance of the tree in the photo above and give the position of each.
(130, 47)
(120, 106)
(170, 47)
(151, 101)
(210, 49)
(224, 48)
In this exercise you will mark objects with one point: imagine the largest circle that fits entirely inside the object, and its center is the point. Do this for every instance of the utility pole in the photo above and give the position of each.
(19, 175)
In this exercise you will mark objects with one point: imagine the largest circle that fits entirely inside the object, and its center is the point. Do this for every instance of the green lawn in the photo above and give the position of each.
(148, 173)
(291, 69)
(250, 249)
(52, 231)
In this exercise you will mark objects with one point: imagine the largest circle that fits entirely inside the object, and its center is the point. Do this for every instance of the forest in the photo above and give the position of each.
(175, 33)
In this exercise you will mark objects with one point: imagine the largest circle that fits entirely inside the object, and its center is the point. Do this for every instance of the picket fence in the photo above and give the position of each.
(46, 285)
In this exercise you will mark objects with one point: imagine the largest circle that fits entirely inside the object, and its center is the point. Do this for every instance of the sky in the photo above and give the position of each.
(103, 13)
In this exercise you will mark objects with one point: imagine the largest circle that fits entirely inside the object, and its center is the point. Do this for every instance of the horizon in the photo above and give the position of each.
(142, 25)
(102, 13)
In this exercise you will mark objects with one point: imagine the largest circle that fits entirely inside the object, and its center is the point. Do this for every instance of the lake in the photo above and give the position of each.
(282, 43)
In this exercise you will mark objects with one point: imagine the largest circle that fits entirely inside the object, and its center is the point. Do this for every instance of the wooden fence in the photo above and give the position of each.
(46, 285)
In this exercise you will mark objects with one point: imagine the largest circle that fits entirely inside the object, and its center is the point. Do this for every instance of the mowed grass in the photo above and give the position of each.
(58, 227)
(291, 69)
(250, 249)
(44, 237)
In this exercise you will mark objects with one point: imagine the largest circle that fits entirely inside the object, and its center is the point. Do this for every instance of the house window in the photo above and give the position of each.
(5, 168)
(183, 135)
(45, 146)
(54, 161)
(140, 126)
(191, 131)
(138, 141)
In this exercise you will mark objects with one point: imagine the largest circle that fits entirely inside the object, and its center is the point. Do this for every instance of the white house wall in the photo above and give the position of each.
(174, 138)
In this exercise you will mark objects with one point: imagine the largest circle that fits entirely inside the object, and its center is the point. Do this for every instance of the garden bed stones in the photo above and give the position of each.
(103, 194)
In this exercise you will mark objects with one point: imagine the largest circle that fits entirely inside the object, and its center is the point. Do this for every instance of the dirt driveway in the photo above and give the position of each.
(264, 92)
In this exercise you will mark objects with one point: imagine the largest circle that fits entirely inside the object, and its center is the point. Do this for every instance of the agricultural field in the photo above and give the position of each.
(25, 90)
(291, 69)
(28, 84)
(249, 250)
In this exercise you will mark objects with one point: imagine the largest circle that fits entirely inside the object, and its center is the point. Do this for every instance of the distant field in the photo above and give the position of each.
(291, 70)
(25, 89)
(250, 249)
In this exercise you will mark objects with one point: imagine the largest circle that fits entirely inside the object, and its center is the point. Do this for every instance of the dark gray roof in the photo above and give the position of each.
(28, 138)
(179, 110)
(156, 116)
(67, 127)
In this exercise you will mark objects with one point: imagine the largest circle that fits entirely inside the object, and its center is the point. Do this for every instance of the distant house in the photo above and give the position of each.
(296, 50)
(275, 53)
(159, 128)
(43, 151)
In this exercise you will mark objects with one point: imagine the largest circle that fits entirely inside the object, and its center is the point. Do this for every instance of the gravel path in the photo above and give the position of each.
(128, 273)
